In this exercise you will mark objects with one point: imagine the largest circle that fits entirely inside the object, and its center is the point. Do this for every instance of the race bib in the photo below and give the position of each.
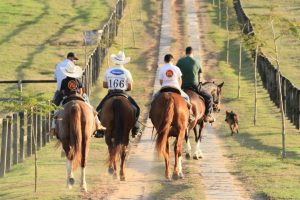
(117, 83)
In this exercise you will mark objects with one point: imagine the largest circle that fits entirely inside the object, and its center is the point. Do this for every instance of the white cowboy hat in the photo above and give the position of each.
(120, 58)
(72, 70)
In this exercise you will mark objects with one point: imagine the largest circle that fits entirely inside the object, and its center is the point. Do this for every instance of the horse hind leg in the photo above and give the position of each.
(167, 161)
(198, 153)
(70, 178)
(188, 146)
(178, 161)
(83, 164)
(122, 165)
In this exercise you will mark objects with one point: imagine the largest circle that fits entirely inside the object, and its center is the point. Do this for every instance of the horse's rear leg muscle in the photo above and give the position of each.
(122, 165)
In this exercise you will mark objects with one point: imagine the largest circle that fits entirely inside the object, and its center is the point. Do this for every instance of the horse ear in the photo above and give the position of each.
(227, 112)
(221, 85)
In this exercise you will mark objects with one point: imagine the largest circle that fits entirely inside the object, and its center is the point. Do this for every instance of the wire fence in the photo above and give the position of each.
(25, 132)
(269, 74)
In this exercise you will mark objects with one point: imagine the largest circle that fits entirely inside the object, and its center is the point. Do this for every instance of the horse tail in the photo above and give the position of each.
(165, 125)
(117, 107)
(74, 153)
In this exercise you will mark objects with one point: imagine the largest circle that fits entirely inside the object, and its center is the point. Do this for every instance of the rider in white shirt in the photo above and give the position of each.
(59, 75)
(170, 77)
(117, 79)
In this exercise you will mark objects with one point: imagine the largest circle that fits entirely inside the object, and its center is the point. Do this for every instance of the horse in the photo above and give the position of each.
(169, 114)
(198, 109)
(118, 116)
(75, 125)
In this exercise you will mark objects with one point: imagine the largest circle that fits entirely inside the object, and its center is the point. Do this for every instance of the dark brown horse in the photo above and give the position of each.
(118, 116)
(75, 125)
(169, 114)
(198, 109)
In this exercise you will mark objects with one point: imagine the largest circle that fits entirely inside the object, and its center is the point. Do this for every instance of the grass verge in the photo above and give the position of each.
(255, 151)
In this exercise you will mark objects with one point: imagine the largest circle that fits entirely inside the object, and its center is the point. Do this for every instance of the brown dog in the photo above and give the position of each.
(232, 120)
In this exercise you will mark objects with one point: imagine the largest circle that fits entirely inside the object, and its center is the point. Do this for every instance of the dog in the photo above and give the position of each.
(232, 121)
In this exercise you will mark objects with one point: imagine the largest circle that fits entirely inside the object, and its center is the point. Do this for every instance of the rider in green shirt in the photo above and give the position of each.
(191, 76)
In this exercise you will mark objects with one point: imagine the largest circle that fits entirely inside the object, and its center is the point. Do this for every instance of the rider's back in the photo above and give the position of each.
(190, 69)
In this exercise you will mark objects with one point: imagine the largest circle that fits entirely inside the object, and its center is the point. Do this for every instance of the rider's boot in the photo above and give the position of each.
(99, 133)
(209, 118)
(136, 131)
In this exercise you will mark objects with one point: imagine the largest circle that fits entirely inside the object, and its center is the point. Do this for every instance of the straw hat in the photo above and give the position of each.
(120, 58)
(72, 70)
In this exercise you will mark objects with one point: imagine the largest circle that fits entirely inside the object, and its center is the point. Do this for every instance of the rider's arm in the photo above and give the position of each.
(129, 87)
(105, 85)
(180, 81)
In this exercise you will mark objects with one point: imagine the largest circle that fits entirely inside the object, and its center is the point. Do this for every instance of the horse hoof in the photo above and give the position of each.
(122, 178)
(175, 176)
(180, 175)
(83, 189)
(188, 156)
(195, 157)
(71, 181)
(115, 176)
(111, 170)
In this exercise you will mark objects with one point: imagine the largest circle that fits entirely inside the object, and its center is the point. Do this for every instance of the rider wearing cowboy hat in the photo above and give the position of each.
(71, 85)
(119, 79)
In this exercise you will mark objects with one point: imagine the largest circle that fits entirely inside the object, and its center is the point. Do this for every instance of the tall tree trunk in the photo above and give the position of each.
(227, 28)
(220, 13)
(240, 68)
(283, 134)
(255, 86)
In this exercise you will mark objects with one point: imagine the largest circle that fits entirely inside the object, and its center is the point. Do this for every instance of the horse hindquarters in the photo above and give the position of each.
(163, 130)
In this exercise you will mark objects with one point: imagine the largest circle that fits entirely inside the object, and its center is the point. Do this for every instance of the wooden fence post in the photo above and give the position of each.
(298, 114)
(9, 144)
(22, 134)
(39, 130)
(29, 132)
(34, 131)
(15, 138)
(3, 147)
(44, 133)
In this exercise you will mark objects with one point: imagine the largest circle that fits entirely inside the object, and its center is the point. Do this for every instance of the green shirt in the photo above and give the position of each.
(190, 69)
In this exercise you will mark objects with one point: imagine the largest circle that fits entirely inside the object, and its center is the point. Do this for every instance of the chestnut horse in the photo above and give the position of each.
(198, 109)
(118, 116)
(75, 125)
(169, 114)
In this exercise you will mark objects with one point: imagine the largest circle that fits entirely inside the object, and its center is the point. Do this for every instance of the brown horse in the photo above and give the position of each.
(75, 125)
(118, 116)
(198, 109)
(169, 114)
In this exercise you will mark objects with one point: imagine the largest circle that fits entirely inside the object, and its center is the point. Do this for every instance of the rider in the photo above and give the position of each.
(117, 79)
(71, 85)
(170, 77)
(59, 76)
(192, 75)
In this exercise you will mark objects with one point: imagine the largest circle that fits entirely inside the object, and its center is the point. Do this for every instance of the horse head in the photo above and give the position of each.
(215, 90)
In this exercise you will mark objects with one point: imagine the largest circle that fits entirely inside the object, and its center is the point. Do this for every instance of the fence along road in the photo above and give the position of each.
(25, 132)
(269, 74)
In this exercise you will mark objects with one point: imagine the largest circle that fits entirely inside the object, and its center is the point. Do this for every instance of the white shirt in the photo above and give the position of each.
(117, 78)
(169, 75)
(58, 74)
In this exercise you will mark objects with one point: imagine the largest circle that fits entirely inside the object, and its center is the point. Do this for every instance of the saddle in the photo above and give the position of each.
(170, 89)
(72, 97)
(194, 89)
(113, 93)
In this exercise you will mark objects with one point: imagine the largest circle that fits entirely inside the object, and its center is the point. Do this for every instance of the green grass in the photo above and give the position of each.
(19, 183)
(256, 151)
(288, 45)
(36, 35)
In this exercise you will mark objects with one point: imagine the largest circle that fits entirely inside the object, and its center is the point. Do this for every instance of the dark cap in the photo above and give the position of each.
(72, 55)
